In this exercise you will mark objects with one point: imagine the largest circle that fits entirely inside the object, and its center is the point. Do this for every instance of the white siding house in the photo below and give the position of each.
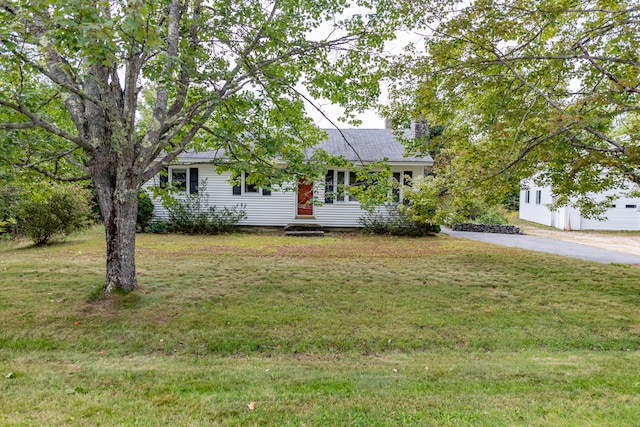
(534, 202)
(279, 207)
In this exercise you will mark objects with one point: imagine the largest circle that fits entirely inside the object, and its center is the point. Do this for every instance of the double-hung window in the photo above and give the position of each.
(181, 178)
(246, 186)
(336, 183)
(250, 187)
(400, 179)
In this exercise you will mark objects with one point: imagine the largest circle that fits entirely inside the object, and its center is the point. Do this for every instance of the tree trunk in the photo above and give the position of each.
(117, 196)
(120, 233)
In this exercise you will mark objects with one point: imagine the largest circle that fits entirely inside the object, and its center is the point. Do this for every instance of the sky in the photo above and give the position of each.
(370, 118)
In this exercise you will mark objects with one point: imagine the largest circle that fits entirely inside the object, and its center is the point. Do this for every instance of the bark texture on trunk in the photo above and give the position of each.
(120, 234)
(117, 195)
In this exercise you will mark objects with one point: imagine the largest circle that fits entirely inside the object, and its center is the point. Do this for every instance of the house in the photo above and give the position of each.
(278, 207)
(534, 202)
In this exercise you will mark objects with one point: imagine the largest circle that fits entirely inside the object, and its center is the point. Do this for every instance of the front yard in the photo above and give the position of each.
(339, 330)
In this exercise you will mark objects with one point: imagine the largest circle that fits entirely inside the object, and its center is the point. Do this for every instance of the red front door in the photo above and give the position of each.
(305, 198)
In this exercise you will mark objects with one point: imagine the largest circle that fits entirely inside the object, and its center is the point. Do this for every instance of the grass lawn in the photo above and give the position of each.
(345, 330)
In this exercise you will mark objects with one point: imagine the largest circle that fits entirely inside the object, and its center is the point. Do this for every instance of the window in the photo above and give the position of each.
(527, 196)
(329, 186)
(353, 181)
(337, 183)
(247, 187)
(538, 197)
(395, 192)
(342, 183)
(630, 206)
(402, 178)
(181, 178)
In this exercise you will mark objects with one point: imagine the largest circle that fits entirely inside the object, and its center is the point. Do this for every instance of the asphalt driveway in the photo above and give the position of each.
(548, 245)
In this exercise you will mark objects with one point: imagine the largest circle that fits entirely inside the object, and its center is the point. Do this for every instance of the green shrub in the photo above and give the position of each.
(189, 214)
(226, 220)
(8, 227)
(393, 219)
(182, 219)
(158, 227)
(50, 209)
(491, 216)
(9, 197)
(145, 210)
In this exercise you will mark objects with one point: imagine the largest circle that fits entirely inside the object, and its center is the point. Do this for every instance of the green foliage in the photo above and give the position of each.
(427, 202)
(192, 214)
(212, 221)
(492, 216)
(9, 197)
(541, 88)
(50, 209)
(8, 226)
(373, 185)
(145, 210)
(431, 201)
(118, 89)
(158, 227)
(394, 219)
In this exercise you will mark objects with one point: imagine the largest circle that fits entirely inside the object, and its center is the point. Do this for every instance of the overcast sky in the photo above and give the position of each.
(370, 119)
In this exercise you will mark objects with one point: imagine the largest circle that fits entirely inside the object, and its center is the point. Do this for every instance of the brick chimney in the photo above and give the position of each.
(419, 128)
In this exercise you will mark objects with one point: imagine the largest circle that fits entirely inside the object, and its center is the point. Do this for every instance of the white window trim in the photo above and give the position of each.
(243, 188)
(403, 183)
(186, 175)
(346, 197)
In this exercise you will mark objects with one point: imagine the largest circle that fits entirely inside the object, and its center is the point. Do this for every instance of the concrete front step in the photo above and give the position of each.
(303, 227)
(303, 233)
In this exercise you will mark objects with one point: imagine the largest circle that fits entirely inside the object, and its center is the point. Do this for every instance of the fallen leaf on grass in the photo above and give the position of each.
(251, 405)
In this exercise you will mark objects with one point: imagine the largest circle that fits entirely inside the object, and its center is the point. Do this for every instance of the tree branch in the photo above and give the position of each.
(37, 122)
(57, 177)
(609, 75)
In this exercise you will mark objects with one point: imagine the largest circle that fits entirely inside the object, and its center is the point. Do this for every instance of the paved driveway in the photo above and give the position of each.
(548, 245)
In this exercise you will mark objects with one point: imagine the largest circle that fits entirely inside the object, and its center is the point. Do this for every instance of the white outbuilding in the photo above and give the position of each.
(535, 200)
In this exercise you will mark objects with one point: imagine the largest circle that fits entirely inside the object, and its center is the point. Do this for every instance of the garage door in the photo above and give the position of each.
(624, 216)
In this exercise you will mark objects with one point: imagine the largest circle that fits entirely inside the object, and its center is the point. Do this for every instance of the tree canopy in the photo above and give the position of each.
(114, 90)
(539, 88)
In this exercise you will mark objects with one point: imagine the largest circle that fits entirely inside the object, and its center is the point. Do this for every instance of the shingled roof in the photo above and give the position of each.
(366, 145)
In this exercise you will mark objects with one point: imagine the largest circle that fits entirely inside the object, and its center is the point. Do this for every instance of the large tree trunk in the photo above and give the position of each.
(120, 233)
(117, 195)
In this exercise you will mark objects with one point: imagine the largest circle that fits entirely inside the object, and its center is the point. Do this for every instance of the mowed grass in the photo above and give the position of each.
(340, 330)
